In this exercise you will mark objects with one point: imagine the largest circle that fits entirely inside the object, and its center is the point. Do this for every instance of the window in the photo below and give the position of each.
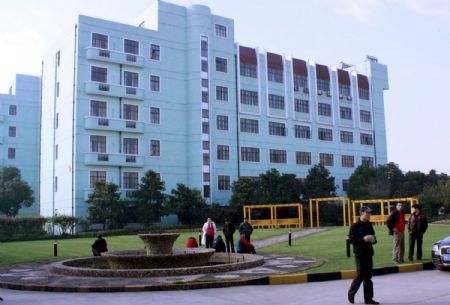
(130, 180)
(204, 66)
(205, 127)
(278, 156)
(11, 153)
(205, 113)
(248, 70)
(222, 122)
(325, 134)
(12, 131)
(99, 41)
(205, 145)
(223, 183)
(206, 159)
(365, 116)
(344, 90)
(346, 136)
(205, 97)
(98, 109)
(205, 83)
(155, 83)
(302, 132)
(363, 93)
(56, 183)
(303, 157)
(155, 52)
(324, 109)
(56, 151)
(367, 161)
(301, 105)
(221, 93)
(99, 74)
(206, 191)
(326, 159)
(275, 75)
(130, 112)
(345, 184)
(249, 125)
(366, 139)
(155, 115)
(57, 89)
(276, 101)
(277, 129)
(131, 79)
(221, 64)
(249, 97)
(223, 152)
(58, 58)
(97, 177)
(348, 161)
(130, 146)
(131, 46)
(206, 177)
(12, 109)
(300, 81)
(346, 113)
(155, 148)
(323, 85)
(221, 30)
(250, 154)
(204, 46)
(57, 120)
(98, 144)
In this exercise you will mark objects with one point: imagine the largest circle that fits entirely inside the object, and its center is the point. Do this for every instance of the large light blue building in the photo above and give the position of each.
(19, 132)
(177, 94)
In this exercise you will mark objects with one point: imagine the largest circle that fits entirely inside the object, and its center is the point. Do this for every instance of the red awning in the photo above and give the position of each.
(247, 55)
(343, 77)
(299, 67)
(274, 61)
(322, 72)
(363, 81)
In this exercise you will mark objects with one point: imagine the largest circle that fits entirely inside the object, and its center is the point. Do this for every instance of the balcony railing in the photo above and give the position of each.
(107, 159)
(113, 124)
(115, 57)
(115, 90)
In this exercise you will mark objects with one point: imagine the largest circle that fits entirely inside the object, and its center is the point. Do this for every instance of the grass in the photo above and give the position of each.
(12, 253)
(329, 246)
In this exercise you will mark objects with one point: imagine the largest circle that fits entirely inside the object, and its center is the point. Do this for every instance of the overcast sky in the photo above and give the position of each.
(412, 37)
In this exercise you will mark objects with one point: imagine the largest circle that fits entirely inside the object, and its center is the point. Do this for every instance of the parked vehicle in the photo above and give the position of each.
(441, 254)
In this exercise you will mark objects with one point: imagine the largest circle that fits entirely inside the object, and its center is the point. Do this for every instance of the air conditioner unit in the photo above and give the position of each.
(341, 96)
(349, 98)
(329, 93)
(319, 92)
(306, 90)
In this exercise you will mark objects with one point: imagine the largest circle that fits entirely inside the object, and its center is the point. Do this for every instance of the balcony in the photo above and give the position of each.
(115, 57)
(115, 90)
(111, 124)
(113, 159)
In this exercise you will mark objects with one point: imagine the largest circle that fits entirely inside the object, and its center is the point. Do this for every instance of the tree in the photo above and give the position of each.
(14, 192)
(244, 192)
(65, 222)
(105, 206)
(319, 183)
(368, 183)
(188, 204)
(150, 198)
(437, 195)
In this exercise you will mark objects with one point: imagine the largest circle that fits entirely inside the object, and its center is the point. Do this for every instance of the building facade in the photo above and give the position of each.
(177, 94)
(19, 132)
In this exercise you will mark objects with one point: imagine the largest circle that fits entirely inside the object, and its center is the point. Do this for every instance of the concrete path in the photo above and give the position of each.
(281, 238)
(425, 287)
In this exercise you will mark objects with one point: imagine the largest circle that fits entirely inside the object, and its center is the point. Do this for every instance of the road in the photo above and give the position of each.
(425, 287)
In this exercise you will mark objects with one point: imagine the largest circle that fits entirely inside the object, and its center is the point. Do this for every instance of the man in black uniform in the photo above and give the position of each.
(362, 237)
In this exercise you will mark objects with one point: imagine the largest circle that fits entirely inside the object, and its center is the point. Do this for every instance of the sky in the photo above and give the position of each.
(412, 37)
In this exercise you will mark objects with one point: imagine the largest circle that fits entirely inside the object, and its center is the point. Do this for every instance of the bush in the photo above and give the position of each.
(21, 227)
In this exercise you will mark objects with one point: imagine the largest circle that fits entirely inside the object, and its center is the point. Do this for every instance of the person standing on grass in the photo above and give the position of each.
(246, 228)
(362, 237)
(417, 226)
(228, 231)
(209, 229)
(396, 224)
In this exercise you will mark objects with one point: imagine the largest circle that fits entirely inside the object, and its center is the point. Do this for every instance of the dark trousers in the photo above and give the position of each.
(413, 238)
(230, 243)
(209, 241)
(364, 266)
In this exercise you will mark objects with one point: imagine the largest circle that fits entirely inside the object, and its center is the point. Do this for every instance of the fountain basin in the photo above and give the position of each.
(178, 258)
(161, 243)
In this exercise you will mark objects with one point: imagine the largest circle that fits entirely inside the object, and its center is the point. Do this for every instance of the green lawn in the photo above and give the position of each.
(12, 253)
(330, 247)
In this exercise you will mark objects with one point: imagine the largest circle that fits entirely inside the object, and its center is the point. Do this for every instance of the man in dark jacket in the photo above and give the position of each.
(396, 225)
(228, 231)
(218, 244)
(362, 237)
(417, 226)
(246, 228)
(99, 246)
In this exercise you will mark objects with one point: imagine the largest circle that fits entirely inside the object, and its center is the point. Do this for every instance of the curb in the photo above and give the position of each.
(344, 275)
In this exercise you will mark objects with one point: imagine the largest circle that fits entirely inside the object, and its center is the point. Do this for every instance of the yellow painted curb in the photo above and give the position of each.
(288, 279)
(348, 274)
(410, 267)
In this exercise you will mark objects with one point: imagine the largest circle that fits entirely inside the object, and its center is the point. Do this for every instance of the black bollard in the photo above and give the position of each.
(348, 246)
(199, 240)
(290, 239)
(55, 248)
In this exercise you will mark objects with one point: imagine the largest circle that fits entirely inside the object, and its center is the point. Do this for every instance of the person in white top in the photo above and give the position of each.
(209, 229)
